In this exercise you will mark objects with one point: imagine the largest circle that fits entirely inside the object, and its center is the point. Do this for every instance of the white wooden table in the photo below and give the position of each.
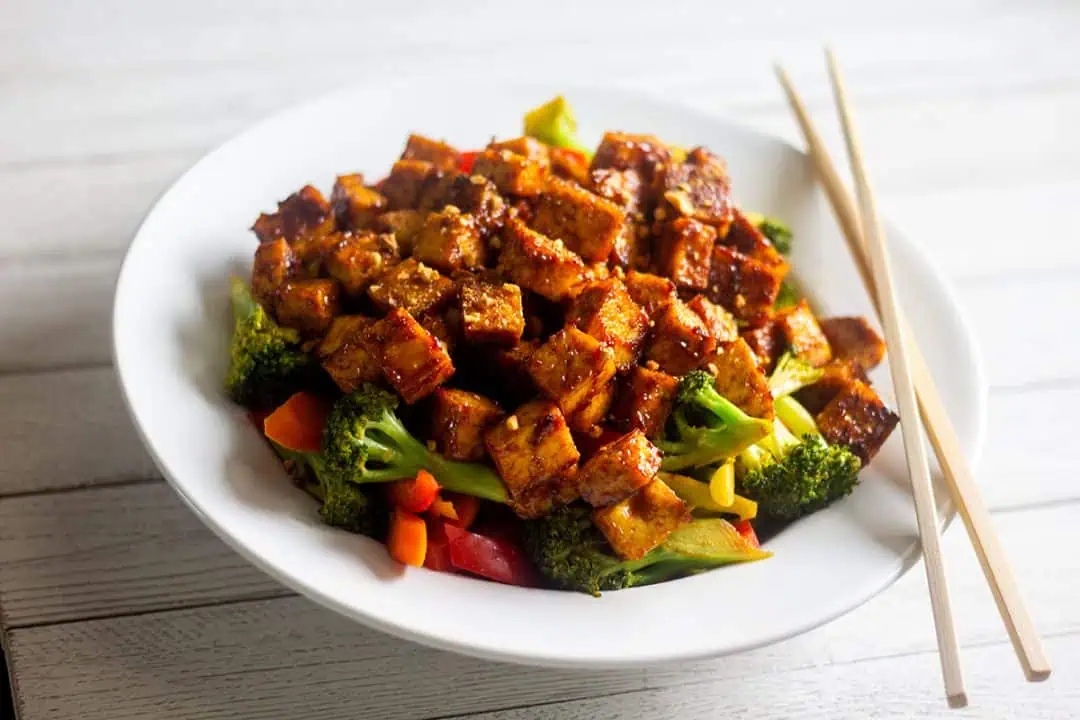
(116, 603)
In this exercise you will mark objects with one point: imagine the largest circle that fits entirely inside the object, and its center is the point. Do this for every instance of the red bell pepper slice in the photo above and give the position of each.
(298, 423)
(491, 558)
(467, 159)
(744, 528)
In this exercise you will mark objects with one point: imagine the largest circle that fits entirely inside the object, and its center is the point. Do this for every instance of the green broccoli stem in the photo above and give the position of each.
(243, 303)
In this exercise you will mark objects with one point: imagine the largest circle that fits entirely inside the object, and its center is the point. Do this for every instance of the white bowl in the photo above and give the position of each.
(171, 332)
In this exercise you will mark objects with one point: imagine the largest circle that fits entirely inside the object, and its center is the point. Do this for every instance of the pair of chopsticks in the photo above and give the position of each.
(916, 393)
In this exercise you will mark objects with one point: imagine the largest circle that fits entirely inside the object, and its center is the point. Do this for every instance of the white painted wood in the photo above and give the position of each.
(280, 658)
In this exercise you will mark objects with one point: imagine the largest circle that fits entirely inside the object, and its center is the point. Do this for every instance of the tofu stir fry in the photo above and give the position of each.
(550, 366)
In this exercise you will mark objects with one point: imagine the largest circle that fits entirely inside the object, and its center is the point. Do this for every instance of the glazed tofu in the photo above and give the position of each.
(645, 401)
(740, 379)
(513, 174)
(836, 376)
(857, 418)
(274, 264)
(803, 334)
(626, 190)
(720, 322)
(594, 411)
(411, 285)
(619, 469)
(479, 197)
(436, 152)
(681, 341)
(459, 420)
(308, 305)
(492, 312)
(684, 253)
(357, 259)
(699, 189)
(304, 212)
(651, 292)
(345, 355)
(644, 154)
(404, 225)
(527, 147)
(745, 237)
(767, 342)
(405, 183)
(569, 164)
(412, 360)
(743, 285)
(532, 447)
(642, 521)
(853, 338)
(450, 240)
(605, 310)
(589, 225)
(570, 367)
(540, 499)
(355, 205)
(443, 327)
(539, 263)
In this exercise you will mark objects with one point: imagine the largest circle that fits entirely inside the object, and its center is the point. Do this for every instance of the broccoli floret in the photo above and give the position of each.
(787, 296)
(553, 124)
(265, 360)
(342, 504)
(792, 374)
(570, 552)
(705, 427)
(365, 442)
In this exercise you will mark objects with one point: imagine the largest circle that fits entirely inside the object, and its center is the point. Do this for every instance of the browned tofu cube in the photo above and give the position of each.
(355, 205)
(308, 305)
(836, 376)
(645, 401)
(852, 338)
(304, 212)
(720, 322)
(605, 310)
(404, 225)
(406, 182)
(767, 342)
(411, 285)
(570, 367)
(274, 264)
(413, 360)
(743, 285)
(492, 313)
(527, 147)
(450, 240)
(626, 189)
(344, 354)
(745, 237)
(357, 259)
(436, 152)
(857, 418)
(698, 188)
(443, 326)
(642, 521)
(539, 263)
(651, 292)
(512, 173)
(684, 253)
(569, 164)
(532, 447)
(594, 410)
(619, 469)
(586, 223)
(540, 499)
(479, 197)
(644, 154)
(739, 378)
(459, 420)
(680, 340)
(804, 335)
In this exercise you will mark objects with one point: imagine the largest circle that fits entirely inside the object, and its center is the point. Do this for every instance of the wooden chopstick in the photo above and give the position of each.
(958, 478)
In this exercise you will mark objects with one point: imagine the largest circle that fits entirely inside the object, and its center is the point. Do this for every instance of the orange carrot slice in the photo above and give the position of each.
(415, 495)
(298, 423)
(407, 541)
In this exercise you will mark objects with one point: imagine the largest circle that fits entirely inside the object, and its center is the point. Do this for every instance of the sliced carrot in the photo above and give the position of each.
(417, 494)
(442, 509)
(298, 423)
(407, 541)
(466, 507)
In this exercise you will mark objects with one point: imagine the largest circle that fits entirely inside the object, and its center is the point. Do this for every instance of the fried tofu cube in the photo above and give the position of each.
(836, 376)
(645, 154)
(357, 259)
(525, 146)
(345, 355)
(685, 253)
(699, 189)
(619, 469)
(539, 263)
(681, 341)
(720, 322)
(739, 378)
(436, 152)
(642, 521)
(626, 189)
(651, 292)
(492, 313)
(404, 225)
(513, 174)
(586, 223)
(479, 197)
(274, 264)
(743, 285)
(406, 182)
(858, 419)
(450, 240)
(411, 285)
(540, 499)
(645, 401)
(745, 237)
(413, 360)
(532, 447)
(308, 305)
(853, 338)
(595, 409)
(442, 326)
(570, 367)
(355, 205)
(569, 164)
(304, 212)
(459, 420)
(804, 335)
(605, 310)
(767, 342)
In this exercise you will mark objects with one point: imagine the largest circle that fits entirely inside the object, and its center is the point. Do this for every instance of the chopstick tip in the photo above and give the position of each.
(1038, 675)
(958, 700)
